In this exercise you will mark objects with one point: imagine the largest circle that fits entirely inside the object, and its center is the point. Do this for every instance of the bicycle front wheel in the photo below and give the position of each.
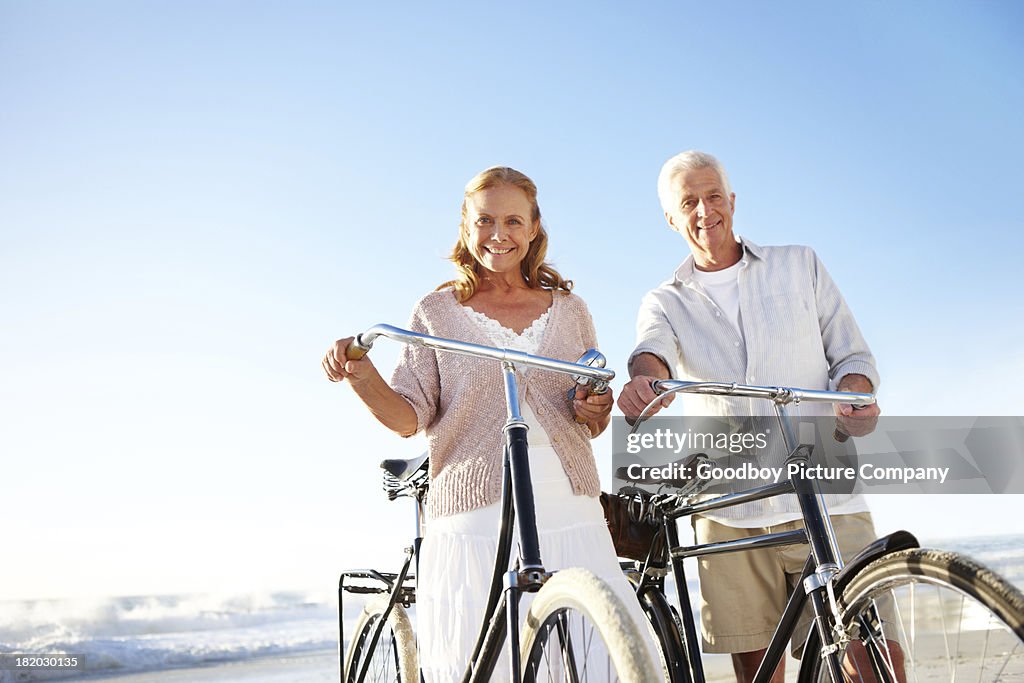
(577, 629)
(926, 615)
(667, 631)
(664, 625)
(393, 658)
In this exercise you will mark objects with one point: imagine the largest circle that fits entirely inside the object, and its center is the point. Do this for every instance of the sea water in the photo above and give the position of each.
(158, 633)
(154, 633)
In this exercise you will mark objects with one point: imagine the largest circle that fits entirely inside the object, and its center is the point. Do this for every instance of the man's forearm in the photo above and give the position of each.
(649, 365)
(856, 383)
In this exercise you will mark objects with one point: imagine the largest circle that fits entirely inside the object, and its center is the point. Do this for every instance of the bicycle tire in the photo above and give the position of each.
(950, 617)
(666, 629)
(569, 612)
(667, 633)
(394, 657)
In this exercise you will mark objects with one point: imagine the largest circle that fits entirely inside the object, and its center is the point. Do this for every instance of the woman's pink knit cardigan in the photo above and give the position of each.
(460, 402)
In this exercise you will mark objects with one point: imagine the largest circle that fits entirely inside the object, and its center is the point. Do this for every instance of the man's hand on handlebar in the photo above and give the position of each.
(637, 393)
(339, 366)
(853, 420)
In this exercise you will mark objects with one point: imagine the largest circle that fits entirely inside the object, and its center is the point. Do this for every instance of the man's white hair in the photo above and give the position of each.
(668, 189)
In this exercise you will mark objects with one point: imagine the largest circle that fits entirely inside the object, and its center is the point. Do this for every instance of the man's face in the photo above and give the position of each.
(703, 214)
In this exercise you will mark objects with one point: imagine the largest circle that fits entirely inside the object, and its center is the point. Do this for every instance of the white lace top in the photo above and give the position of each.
(527, 342)
(503, 337)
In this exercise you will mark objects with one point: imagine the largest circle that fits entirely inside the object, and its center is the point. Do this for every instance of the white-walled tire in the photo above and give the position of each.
(577, 624)
(394, 657)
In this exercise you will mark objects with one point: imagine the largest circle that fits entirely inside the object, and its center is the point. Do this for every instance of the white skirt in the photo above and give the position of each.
(458, 558)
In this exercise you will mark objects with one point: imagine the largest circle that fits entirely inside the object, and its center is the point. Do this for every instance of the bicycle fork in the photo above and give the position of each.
(529, 575)
(825, 555)
(823, 565)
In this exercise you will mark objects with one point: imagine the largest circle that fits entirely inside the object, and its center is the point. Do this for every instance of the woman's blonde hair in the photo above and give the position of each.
(537, 273)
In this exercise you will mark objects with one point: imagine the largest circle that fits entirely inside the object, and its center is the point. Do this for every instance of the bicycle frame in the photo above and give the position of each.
(824, 561)
(394, 583)
(502, 614)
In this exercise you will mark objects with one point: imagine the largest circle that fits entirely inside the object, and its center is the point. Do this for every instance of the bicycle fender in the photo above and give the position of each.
(898, 540)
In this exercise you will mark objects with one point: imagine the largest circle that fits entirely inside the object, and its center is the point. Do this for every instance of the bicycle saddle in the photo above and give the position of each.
(403, 469)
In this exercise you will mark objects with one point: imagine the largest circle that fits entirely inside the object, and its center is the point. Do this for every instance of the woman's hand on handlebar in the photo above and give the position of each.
(389, 407)
(593, 409)
(339, 366)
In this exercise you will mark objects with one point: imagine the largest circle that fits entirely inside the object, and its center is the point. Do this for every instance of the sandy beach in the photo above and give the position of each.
(317, 667)
(322, 667)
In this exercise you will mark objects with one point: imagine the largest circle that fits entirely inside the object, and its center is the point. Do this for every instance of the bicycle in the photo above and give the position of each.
(571, 607)
(390, 655)
(895, 613)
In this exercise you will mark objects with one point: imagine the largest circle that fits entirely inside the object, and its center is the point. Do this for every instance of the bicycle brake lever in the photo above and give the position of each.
(591, 358)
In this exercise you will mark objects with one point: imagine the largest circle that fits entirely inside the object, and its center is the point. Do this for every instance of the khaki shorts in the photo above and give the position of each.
(743, 594)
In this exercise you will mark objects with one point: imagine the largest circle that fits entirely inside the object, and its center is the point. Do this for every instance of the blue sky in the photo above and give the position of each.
(196, 198)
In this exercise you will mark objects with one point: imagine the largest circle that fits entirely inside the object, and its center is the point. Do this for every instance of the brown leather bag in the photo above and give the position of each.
(633, 538)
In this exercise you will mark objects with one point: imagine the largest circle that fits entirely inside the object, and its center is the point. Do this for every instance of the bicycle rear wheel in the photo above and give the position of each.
(577, 629)
(393, 658)
(926, 615)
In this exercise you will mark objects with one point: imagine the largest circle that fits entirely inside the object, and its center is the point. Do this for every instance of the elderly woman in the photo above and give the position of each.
(504, 295)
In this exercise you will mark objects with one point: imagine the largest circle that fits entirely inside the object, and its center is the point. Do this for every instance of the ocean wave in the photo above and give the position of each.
(139, 634)
(1002, 554)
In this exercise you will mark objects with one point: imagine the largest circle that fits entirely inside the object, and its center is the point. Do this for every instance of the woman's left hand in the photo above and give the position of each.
(593, 409)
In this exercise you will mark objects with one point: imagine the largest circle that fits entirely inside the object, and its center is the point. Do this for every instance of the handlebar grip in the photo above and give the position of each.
(590, 392)
(842, 437)
(355, 350)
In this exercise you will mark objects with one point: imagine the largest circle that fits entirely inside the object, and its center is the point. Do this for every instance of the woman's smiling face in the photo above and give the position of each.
(499, 227)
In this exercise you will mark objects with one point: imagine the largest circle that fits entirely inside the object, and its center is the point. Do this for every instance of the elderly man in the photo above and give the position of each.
(738, 312)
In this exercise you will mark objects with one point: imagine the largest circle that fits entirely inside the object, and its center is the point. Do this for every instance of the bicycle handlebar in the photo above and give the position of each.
(588, 371)
(779, 395)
